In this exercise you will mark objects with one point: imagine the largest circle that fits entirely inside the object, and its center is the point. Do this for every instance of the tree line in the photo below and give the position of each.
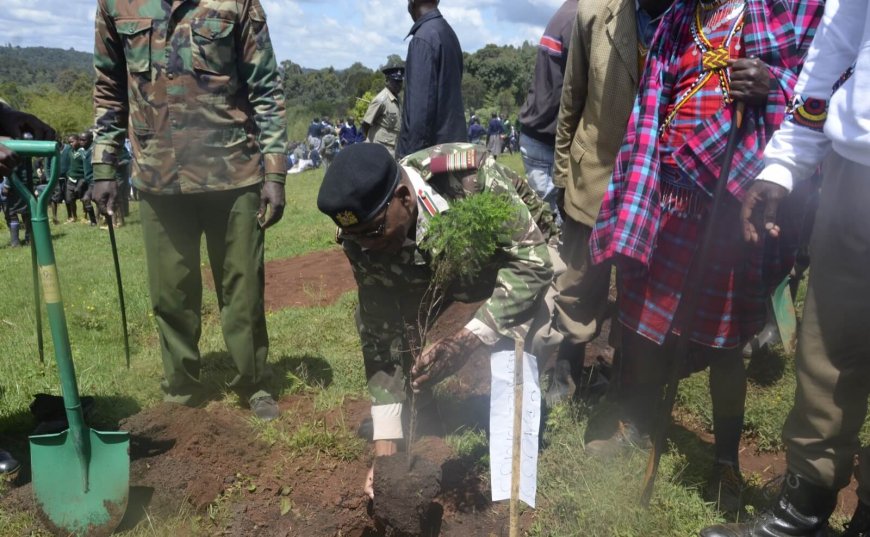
(56, 85)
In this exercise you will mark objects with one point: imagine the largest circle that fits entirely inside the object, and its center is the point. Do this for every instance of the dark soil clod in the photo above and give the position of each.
(404, 499)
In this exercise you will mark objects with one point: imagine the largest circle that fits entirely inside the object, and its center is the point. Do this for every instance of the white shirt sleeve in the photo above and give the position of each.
(795, 152)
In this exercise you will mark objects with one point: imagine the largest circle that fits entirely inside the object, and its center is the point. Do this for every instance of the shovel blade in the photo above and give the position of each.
(786, 317)
(58, 482)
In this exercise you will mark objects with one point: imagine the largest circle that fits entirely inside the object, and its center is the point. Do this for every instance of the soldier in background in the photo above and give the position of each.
(382, 209)
(383, 118)
(198, 87)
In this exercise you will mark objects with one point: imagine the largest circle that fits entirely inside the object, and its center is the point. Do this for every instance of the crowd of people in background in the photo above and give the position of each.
(73, 189)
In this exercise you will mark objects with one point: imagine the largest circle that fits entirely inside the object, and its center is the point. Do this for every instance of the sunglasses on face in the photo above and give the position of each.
(371, 234)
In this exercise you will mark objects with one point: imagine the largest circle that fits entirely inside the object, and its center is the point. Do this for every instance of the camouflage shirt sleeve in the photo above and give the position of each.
(110, 93)
(540, 211)
(526, 270)
(259, 70)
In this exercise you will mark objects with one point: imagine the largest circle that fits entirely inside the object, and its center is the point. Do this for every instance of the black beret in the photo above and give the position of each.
(395, 73)
(358, 184)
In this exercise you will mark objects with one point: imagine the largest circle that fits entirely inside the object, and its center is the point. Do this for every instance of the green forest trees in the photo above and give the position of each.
(56, 85)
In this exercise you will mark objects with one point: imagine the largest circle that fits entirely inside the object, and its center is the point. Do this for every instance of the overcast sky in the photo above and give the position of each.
(312, 33)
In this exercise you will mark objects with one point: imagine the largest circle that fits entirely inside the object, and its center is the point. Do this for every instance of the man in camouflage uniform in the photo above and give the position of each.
(382, 209)
(197, 84)
(383, 118)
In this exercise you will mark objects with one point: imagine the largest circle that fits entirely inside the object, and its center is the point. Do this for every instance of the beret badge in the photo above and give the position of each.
(346, 219)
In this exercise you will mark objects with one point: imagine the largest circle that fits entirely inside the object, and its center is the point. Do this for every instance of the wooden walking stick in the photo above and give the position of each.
(517, 438)
(687, 309)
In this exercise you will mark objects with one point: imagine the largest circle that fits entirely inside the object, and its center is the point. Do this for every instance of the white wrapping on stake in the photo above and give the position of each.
(501, 426)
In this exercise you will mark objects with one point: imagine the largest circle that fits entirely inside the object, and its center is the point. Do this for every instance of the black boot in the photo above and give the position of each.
(859, 526)
(801, 511)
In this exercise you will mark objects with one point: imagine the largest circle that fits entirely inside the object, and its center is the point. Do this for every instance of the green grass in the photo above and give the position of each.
(315, 351)
(582, 496)
(310, 348)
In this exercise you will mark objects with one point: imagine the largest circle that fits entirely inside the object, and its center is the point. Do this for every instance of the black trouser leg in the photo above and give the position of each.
(728, 392)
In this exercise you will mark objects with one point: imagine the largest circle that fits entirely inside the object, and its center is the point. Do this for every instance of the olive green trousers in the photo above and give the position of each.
(173, 226)
(833, 355)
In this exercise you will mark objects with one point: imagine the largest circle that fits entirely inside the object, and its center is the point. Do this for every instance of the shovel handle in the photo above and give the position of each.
(35, 148)
(51, 293)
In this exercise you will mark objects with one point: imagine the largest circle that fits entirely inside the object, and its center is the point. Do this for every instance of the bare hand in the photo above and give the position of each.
(443, 358)
(105, 193)
(272, 196)
(8, 161)
(750, 81)
(14, 124)
(759, 210)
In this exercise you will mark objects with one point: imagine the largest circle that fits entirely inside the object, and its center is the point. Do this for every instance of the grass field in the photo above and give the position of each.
(578, 496)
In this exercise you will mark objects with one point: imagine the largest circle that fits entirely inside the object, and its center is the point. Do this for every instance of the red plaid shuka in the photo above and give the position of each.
(778, 32)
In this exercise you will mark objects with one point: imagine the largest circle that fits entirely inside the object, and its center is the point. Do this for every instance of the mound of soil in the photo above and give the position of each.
(315, 279)
(404, 496)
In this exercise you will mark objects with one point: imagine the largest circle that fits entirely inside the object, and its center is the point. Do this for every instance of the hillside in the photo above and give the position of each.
(40, 65)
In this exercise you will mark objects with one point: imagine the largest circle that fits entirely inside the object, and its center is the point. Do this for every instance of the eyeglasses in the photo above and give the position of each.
(371, 234)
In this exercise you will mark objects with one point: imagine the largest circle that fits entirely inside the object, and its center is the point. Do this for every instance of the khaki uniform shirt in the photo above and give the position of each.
(384, 118)
(197, 85)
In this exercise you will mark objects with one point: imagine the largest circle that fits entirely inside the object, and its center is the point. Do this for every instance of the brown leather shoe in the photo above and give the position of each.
(626, 436)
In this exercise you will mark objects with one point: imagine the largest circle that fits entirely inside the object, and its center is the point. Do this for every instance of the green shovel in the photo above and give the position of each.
(81, 477)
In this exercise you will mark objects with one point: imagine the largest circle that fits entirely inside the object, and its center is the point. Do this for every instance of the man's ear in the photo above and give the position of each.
(405, 194)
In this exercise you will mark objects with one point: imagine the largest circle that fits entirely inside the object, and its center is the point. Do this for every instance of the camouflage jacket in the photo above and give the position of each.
(384, 117)
(197, 84)
(392, 286)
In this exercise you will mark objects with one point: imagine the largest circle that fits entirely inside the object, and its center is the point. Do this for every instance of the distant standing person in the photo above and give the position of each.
(59, 194)
(494, 135)
(383, 118)
(433, 111)
(540, 113)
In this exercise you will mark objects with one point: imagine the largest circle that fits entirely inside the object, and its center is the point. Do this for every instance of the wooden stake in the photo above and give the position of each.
(518, 437)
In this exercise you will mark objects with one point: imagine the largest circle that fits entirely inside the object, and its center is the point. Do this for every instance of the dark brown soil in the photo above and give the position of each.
(210, 461)
(404, 496)
(315, 279)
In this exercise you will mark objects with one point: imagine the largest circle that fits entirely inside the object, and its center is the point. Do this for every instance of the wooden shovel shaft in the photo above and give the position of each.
(517, 439)
(687, 311)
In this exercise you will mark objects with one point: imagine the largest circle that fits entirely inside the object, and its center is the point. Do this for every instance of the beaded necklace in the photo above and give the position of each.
(714, 60)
